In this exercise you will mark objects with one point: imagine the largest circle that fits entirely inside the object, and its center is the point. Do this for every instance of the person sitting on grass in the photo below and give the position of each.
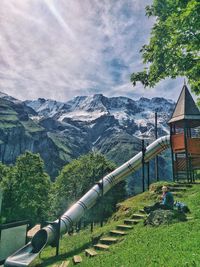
(167, 201)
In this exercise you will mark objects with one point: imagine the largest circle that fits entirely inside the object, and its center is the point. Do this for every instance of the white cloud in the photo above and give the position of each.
(58, 49)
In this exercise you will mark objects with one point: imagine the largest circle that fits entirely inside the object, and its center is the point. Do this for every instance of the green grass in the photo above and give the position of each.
(9, 124)
(164, 246)
(31, 126)
(6, 109)
(64, 152)
(8, 120)
(8, 117)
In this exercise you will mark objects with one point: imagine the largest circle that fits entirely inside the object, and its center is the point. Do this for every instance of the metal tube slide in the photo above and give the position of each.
(47, 235)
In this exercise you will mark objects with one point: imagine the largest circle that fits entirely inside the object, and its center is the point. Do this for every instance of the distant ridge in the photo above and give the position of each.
(61, 132)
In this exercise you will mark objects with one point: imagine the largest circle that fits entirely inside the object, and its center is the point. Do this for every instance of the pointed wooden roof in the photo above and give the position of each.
(185, 111)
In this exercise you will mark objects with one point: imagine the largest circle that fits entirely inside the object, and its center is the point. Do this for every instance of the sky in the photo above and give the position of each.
(59, 49)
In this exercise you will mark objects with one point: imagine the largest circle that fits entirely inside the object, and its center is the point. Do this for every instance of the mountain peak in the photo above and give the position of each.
(8, 97)
(89, 108)
(42, 100)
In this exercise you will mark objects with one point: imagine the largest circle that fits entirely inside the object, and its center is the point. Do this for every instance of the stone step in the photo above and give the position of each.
(90, 252)
(101, 246)
(182, 185)
(176, 194)
(142, 211)
(33, 231)
(77, 259)
(116, 232)
(124, 227)
(108, 240)
(131, 221)
(64, 264)
(177, 189)
(138, 216)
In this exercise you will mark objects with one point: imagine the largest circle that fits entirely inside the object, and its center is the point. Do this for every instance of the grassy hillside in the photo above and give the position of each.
(170, 245)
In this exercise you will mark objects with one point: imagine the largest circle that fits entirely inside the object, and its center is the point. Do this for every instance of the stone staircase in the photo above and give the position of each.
(178, 189)
(120, 231)
(112, 238)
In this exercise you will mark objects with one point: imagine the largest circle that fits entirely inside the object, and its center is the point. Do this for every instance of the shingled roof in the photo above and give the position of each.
(185, 111)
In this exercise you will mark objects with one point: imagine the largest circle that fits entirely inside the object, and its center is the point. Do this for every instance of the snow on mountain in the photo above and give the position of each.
(145, 120)
(112, 126)
(46, 107)
(140, 113)
(85, 108)
(81, 115)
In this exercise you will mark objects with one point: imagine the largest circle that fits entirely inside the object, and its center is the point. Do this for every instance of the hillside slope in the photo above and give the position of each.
(19, 133)
(167, 246)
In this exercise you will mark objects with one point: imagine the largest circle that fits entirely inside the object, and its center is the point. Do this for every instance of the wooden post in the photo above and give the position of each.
(193, 176)
(143, 166)
(176, 178)
(156, 136)
(58, 237)
(148, 175)
(172, 153)
(92, 211)
(189, 134)
(186, 153)
(91, 226)
(148, 171)
(102, 202)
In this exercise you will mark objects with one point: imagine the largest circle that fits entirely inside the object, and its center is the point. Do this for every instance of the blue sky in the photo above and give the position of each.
(60, 49)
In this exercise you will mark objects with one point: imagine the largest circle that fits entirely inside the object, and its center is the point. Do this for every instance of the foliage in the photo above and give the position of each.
(174, 45)
(3, 171)
(167, 246)
(26, 189)
(78, 177)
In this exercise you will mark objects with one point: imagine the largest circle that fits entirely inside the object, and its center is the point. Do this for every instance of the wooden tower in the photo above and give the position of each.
(185, 137)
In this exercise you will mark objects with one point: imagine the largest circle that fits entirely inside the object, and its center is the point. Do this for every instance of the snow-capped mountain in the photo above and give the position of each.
(46, 108)
(140, 113)
(61, 132)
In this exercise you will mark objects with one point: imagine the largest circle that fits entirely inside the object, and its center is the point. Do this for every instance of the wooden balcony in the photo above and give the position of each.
(178, 144)
(193, 146)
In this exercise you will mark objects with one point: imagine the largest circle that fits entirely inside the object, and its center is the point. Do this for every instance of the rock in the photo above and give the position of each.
(158, 217)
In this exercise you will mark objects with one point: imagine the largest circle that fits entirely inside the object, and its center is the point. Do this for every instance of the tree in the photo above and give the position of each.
(174, 47)
(78, 177)
(3, 171)
(26, 190)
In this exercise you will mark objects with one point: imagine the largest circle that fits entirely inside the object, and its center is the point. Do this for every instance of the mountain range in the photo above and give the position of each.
(62, 131)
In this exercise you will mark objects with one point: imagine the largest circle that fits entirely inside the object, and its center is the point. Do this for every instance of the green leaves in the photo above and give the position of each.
(174, 47)
(78, 177)
(26, 189)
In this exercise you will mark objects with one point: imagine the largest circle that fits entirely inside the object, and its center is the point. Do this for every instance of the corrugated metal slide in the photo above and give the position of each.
(47, 235)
